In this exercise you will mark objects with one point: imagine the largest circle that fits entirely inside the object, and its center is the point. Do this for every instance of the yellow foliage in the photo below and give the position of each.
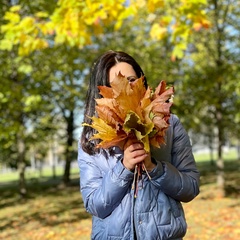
(152, 5)
(28, 24)
(12, 17)
(5, 44)
(15, 8)
(73, 22)
(157, 32)
(41, 15)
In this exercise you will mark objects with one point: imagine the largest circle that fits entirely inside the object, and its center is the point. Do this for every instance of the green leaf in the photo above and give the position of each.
(133, 122)
(25, 68)
(141, 130)
(6, 45)
(178, 52)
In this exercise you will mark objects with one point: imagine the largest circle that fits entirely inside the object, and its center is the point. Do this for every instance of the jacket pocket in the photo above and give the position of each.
(178, 219)
(174, 207)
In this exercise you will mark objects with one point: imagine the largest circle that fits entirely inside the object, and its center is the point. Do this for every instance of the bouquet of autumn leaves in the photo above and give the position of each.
(128, 109)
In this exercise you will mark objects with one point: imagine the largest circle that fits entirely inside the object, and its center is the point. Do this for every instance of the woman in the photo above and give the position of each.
(106, 176)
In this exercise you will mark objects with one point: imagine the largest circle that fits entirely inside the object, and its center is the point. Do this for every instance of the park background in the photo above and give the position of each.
(46, 52)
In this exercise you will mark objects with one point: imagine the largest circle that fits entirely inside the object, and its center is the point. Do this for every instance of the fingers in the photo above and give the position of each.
(136, 146)
(131, 142)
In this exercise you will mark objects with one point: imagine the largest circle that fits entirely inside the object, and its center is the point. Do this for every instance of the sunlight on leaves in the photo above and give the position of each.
(73, 23)
(129, 110)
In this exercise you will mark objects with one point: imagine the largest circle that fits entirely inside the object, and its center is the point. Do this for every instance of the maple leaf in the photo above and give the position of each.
(141, 130)
(109, 116)
(128, 109)
(109, 135)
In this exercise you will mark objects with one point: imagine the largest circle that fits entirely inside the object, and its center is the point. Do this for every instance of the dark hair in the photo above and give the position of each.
(100, 77)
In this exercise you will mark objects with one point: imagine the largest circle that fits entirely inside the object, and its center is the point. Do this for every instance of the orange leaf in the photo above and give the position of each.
(109, 116)
(128, 109)
(105, 91)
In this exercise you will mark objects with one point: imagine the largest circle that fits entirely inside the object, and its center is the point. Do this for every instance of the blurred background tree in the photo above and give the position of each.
(209, 95)
(47, 49)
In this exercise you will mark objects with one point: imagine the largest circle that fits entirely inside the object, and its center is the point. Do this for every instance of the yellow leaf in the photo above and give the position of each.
(41, 14)
(152, 5)
(104, 130)
(157, 32)
(12, 17)
(5, 44)
(15, 8)
(129, 109)
(28, 24)
(109, 136)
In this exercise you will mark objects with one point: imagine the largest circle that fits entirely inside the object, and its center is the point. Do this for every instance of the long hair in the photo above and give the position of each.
(99, 76)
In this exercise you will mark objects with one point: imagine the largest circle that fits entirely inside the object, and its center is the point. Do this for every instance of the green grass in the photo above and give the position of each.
(48, 173)
(230, 155)
(31, 174)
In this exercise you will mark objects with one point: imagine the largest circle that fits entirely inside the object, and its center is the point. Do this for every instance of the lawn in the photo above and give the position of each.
(56, 212)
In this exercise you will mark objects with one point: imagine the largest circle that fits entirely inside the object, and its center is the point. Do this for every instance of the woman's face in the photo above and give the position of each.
(125, 69)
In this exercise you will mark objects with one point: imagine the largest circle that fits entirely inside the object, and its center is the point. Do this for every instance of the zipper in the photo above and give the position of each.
(135, 232)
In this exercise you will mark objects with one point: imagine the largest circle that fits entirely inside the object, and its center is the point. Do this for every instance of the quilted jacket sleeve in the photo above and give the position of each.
(178, 176)
(102, 188)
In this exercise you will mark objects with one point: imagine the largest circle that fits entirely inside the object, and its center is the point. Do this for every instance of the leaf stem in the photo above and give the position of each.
(145, 169)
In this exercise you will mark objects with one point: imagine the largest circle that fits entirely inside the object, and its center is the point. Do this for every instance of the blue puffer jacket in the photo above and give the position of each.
(156, 213)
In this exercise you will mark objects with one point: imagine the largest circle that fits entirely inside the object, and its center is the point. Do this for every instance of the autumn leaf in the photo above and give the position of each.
(105, 131)
(111, 118)
(109, 135)
(141, 130)
(128, 109)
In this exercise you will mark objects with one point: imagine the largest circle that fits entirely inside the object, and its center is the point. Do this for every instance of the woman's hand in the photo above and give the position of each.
(134, 153)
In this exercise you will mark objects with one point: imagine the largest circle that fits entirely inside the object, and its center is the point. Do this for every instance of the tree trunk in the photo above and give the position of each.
(219, 106)
(21, 168)
(69, 150)
(211, 148)
(220, 172)
(220, 161)
(66, 176)
(53, 157)
(238, 150)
